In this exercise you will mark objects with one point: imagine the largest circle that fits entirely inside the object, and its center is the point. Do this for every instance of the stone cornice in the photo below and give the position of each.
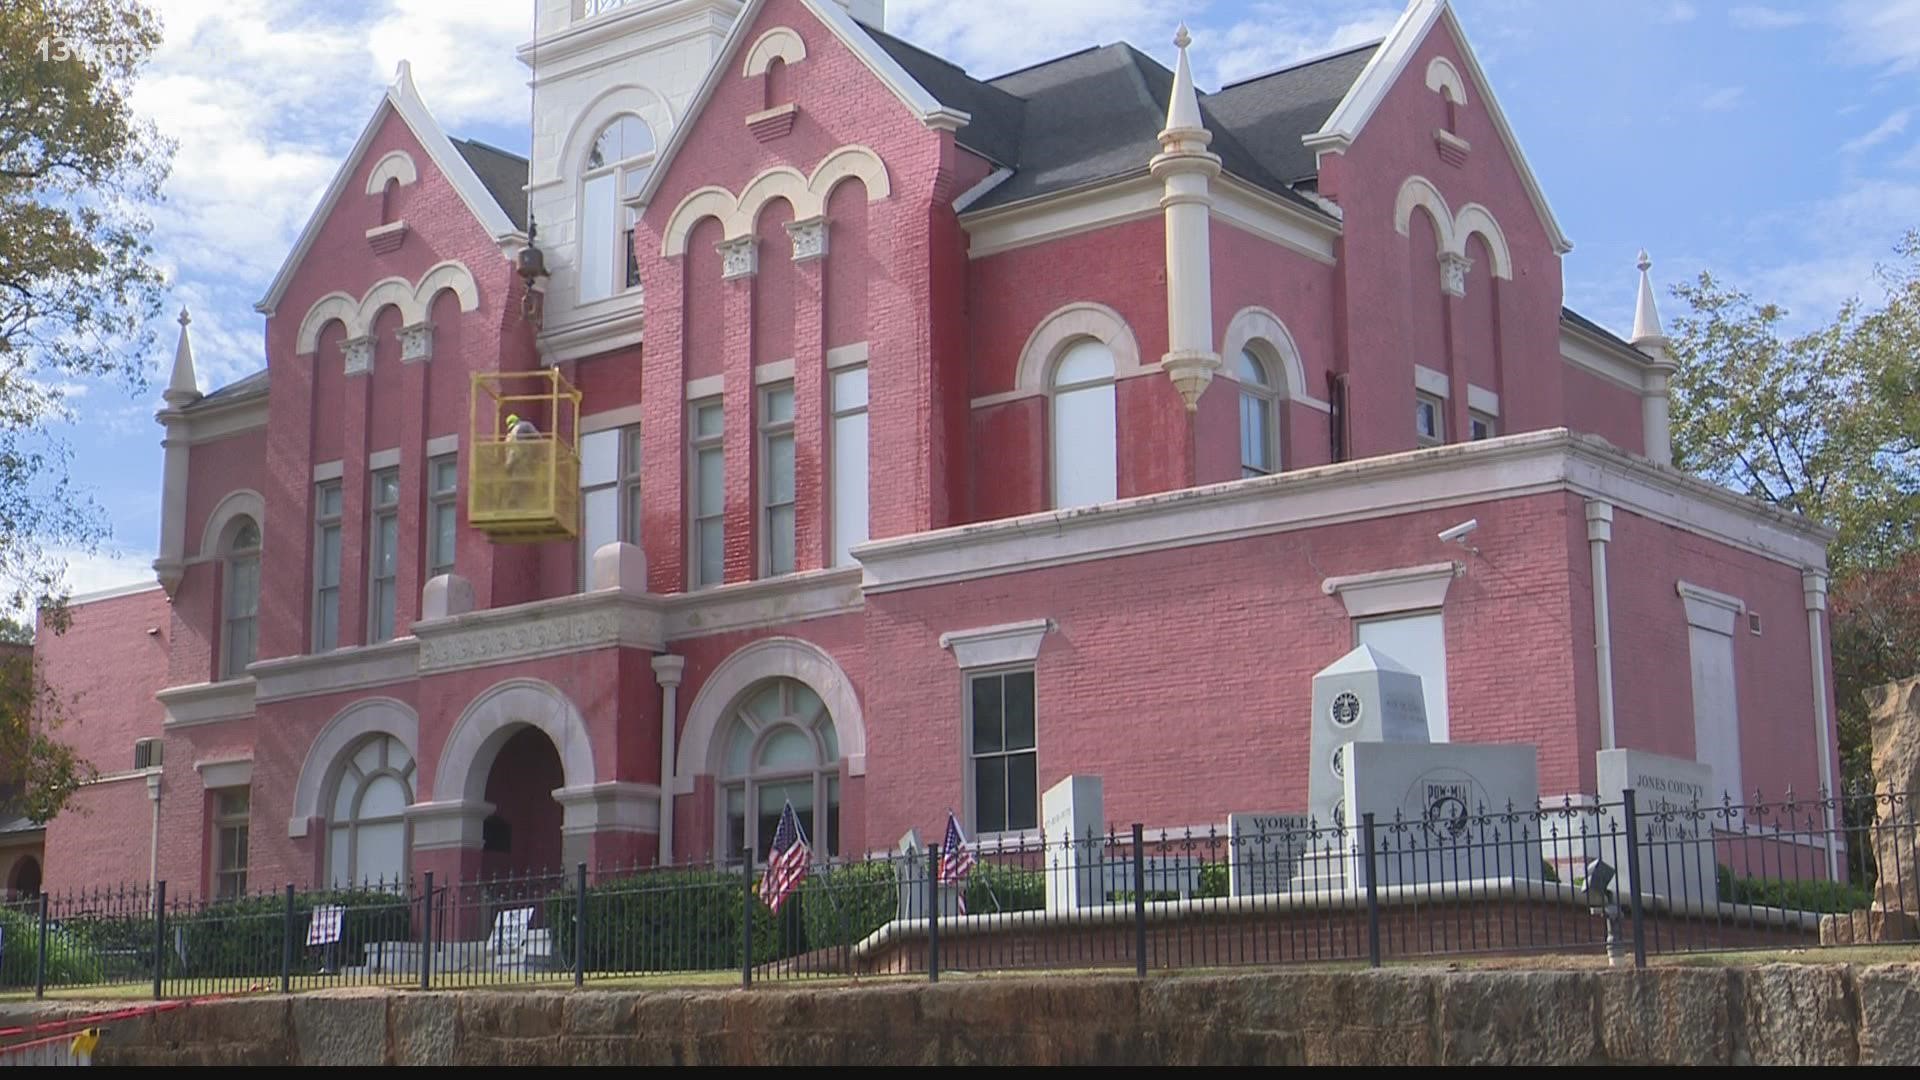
(207, 703)
(331, 672)
(566, 624)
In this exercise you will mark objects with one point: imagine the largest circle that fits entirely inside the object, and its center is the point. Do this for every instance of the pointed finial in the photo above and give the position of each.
(403, 73)
(186, 317)
(1183, 105)
(1182, 39)
(182, 384)
(1646, 314)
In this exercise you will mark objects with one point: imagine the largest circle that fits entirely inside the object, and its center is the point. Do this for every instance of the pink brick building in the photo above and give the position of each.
(941, 437)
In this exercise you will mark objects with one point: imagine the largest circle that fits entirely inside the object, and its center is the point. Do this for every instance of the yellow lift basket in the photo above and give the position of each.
(523, 478)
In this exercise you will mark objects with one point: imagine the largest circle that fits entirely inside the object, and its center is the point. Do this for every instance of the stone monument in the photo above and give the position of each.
(1363, 696)
(1073, 822)
(1895, 914)
(1674, 799)
(1440, 811)
(1266, 850)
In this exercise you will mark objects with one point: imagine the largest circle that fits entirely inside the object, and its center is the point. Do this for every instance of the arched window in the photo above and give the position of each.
(616, 167)
(367, 829)
(1259, 416)
(776, 83)
(240, 633)
(781, 748)
(388, 195)
(1084, 452)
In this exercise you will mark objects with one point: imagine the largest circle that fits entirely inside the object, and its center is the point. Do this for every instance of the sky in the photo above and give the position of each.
(1776, 144)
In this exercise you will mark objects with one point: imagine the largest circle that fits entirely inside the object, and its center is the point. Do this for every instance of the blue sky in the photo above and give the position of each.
(1774, 143)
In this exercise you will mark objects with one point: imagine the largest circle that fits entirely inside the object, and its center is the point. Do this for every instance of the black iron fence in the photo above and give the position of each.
(1620, 879)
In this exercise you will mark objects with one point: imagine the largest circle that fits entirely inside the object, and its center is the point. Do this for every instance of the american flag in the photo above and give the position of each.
(786, 861)
(956, 859)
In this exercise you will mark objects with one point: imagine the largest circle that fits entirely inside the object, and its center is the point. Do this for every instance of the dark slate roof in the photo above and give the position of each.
(253, 385)
(1567, 314)
(503, 174)
(1269, 113)
(1096, 114)
(994, 130)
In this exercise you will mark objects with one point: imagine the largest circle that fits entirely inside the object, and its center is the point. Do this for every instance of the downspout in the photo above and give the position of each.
(667, 669)
(1599, 534)
(1813, 583)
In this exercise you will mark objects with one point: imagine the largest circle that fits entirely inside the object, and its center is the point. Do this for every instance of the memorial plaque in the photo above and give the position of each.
(1073, 818)
(1364, 696)
(1675, 800)
(1441, 810)
(1266, 849)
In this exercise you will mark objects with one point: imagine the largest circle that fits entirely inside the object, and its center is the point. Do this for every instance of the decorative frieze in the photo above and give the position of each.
(416, 342)
(739, 258)
(809, 238)
(359, 354)
(484, 638)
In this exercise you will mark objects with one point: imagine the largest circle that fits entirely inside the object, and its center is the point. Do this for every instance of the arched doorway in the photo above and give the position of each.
(367, 832)
(780, 746)
(25, 879)
(522, 834)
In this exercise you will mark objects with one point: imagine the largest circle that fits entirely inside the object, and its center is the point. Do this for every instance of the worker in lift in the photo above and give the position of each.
(521, 461)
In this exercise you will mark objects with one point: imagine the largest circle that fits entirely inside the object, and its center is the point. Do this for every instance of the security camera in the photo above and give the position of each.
(1460, 531)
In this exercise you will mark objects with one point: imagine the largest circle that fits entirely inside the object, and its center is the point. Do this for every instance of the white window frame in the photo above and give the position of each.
(442, 501)
(626, 487)
(967, 680)
(1055, 391)
(848, 492)
(827, 789)
(327, 597)
(1437, 437)
(349, 772)
(1264, 398)
(772, 431)
(1481, 426)
(628, 175)
(378, 513)
(236, 559)
(230, 879)
(700, 518)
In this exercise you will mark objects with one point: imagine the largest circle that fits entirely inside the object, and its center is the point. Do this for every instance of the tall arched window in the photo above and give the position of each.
(367, 830)
(1259, 421)
(616, 167)
(782, 748)
(239, 630)
(1084, 452)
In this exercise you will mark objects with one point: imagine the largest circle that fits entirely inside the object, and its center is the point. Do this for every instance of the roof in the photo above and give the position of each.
(253, 385)
(995, 117)
(503, 174)
(1269, 113)
(1580, 321)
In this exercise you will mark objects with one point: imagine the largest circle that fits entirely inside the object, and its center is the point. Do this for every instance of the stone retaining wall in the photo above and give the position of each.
(1776, 1014)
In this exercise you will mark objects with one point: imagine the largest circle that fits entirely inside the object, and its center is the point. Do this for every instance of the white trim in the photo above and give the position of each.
(359, 667)
(706, 386)
(997, 646)
(579, 622)
(1483, 401)
(207, 703)
(442, 445)
(1615, 362)
(751, 605)
(243, 503)
(846, 356)
(391, 227)
(928, 111)
(456, 823)
(394, 165)
(1710, 610)
(624, 416)
(1383, 70)
(413, 300)
(1444, 79)
(383, 459)
(404, 100)
(778, 43)
(329, 470)
(807, 196)
(1257, 323)
(1428, 381)
(620, 806)
(1452, 229)
(1392, 592)
(227, 773)
(495, 716)
(114, 592)
(1066, 213)
(777, 372)
(1555, 460)
(150, 775)
(979, 191)
(1067, 324)
(1259, 212)
(769, 658)
(210, 421)
(370, 716)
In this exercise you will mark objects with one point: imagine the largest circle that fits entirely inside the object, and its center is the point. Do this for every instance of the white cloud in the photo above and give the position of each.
(1274, 39)
(1723, 99)
(1893, 125)
(1844, 236)
(1678, 13)
(93, 571)
(1882, 32)
(988, 37)
(1754, 17)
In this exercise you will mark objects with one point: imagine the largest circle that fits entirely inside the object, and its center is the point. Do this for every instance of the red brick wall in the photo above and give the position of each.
(105, 670)
(1602, 407)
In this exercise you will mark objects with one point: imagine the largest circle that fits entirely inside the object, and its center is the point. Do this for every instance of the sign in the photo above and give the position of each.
(1676, 803)
(1266, 848)
(1445, 811)
(1072, 817)
(324, 927)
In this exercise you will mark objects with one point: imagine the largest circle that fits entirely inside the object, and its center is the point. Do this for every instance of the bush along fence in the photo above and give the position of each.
(1618, 878)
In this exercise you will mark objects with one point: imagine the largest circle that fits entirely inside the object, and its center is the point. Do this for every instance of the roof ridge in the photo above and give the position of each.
(1319, 58)
(1037, 65)
(491, 147)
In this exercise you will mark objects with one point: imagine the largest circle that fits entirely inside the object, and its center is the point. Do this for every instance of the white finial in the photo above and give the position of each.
(1646, 314)
(403, 73)
(182, 385)
(1183, 106)
(1182, 39)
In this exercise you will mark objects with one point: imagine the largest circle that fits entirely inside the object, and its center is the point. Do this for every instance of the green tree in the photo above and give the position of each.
(1826, 423)
(78, 294)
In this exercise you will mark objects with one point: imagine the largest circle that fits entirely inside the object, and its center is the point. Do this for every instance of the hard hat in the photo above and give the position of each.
(512, 419)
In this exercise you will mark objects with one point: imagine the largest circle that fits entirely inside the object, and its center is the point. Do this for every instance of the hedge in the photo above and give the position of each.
(993, 888)
(1809, 894)
(842, 905)
(70, 962)
(669, 920)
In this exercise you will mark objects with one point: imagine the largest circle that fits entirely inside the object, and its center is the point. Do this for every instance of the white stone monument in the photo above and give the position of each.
(1363, 696)
(1266, 848)
(910, 866)
(1675, 802)
(1073, 819)
(1441, 811)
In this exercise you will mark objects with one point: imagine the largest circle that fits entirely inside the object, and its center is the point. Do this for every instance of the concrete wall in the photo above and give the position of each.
(1781, 1014)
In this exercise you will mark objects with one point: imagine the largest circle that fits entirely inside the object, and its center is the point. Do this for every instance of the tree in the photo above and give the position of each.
(1825, 423)
(78, 295)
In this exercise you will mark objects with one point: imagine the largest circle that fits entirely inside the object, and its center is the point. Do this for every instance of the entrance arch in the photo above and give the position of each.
(494, 717)
(702, 743)
(25, 879)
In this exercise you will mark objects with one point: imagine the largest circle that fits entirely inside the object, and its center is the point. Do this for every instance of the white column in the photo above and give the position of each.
(1654, 419)
(667, 669)
(182, 390)
(1813, 583)
(1187, 168)
(1599, 534)
(153, 841)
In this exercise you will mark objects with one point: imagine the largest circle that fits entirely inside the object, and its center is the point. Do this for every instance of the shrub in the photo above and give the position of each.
(70, 961)
(1214, 880)
(994, 888)
(842, 905)
(245, 936)
(1809, 894)
(670, 920)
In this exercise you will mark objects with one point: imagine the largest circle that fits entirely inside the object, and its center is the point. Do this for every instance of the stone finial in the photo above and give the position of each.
(1646, 315)
(1183, 105)
(182, 385)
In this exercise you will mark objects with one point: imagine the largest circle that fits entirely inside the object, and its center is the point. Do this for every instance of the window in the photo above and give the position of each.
(849, 463)
(1000, 725)
(1712, 618)
(609, 491)
(384, 556)
(148, 753)
(1429, 419)
(1085, 455)
(709, 494)
(782, 748)
(443, 513)
(1259, 455)
(367, 828)
(326, 566)
(1482, 426)
(240, 631)
(776, 479)
(230, 842)
(616, 167)
(1419, 644)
